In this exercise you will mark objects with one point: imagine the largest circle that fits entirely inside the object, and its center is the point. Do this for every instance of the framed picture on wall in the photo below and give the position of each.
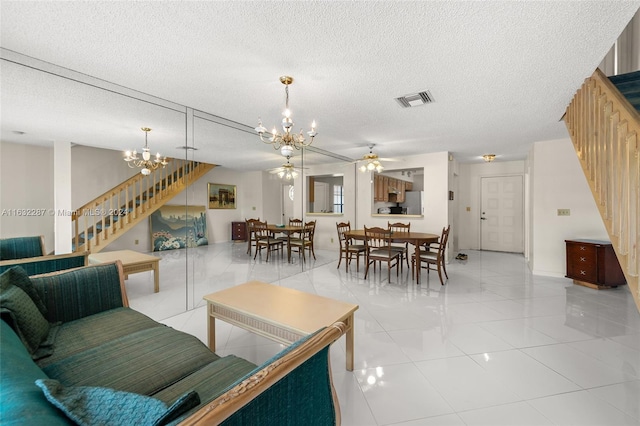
(175, 227)
(222, 196)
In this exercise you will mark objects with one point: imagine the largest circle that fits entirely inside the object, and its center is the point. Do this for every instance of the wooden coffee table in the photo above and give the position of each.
(277, 313)
(132, 263)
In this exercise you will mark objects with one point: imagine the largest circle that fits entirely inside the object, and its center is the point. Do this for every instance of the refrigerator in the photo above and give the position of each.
(413, 202)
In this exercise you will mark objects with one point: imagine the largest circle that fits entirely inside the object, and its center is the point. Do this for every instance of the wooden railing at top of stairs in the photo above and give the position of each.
(107, 217)
(605, 130)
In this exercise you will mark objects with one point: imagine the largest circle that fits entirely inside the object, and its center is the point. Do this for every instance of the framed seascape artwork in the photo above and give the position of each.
(222, 196)
(176, 227)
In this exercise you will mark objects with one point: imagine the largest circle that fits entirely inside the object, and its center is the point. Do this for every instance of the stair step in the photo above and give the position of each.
(629, 86)
(615, 79)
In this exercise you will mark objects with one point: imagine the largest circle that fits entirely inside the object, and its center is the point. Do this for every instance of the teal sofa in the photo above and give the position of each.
(73, 352)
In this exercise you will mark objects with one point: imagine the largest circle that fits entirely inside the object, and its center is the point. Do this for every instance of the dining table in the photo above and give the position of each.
(415, 238)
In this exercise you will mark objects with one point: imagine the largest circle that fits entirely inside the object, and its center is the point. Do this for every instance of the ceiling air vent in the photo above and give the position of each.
(416, 99)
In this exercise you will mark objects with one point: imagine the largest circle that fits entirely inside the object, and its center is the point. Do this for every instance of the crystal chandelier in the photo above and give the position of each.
(145, 162)
(286, 141)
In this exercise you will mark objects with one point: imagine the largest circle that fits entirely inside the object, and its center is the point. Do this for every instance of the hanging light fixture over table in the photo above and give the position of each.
(286, 141)
(145, 162)
(372, 162)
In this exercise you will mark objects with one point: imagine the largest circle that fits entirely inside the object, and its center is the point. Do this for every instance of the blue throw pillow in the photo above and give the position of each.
(19, 277)
(28, 322)
(96, 405)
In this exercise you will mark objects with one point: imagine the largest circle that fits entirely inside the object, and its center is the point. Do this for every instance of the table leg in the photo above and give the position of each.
(211, 331)
(418, 266)
(156, 276)
(349, 340)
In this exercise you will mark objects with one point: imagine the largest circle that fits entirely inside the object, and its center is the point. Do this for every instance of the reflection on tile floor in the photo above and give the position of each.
(495, 346)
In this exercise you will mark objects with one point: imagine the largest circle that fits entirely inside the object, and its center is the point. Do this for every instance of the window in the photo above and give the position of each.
(338, 199)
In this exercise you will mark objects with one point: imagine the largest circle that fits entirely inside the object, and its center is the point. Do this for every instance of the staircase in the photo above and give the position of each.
(605, 129)
(109, 216)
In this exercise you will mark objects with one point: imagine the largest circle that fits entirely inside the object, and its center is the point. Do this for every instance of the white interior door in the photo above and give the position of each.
(287, 203)
(502, 214)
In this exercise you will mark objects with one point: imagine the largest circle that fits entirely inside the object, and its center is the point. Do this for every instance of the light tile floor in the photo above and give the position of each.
(495, 346)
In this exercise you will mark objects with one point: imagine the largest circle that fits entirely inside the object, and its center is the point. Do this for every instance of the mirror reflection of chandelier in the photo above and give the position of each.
(145, 162)
(287, 172)
(286, 141)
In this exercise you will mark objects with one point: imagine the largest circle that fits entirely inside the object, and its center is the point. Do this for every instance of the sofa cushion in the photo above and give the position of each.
(95, 330)
(22, 401)
(143, 362)
(29, 323)
(210, 380)
(19, 277)
(77, 293)
(90, 406)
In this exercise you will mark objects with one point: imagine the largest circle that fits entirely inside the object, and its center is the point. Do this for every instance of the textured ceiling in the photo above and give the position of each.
(501, 73)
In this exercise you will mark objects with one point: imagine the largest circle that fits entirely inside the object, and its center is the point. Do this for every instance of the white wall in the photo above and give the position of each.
(26, 182)
(469, 196)
(557, 182)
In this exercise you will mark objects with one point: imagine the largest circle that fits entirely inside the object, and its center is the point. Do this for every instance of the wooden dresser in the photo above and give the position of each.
(238, 231)
(593, 263)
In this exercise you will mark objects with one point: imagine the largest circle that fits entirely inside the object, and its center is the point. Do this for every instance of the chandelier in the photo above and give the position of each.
(286, 141)
(145, 162)
(372, 162)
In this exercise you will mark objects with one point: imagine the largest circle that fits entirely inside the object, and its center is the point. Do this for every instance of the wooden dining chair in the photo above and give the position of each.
(251, 236)
(378, 244)
(265, 239)
(304, 241)
(402, 248)
(432, 256)
(348, 246)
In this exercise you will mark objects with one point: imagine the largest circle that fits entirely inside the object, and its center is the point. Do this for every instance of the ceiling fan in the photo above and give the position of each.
(371, 161)
(287, 171)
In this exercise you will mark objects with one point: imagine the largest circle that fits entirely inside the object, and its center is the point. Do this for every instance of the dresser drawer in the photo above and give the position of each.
(238, 231)
(582, 262)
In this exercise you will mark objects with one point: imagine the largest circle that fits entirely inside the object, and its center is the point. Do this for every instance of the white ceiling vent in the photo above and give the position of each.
(416, 99)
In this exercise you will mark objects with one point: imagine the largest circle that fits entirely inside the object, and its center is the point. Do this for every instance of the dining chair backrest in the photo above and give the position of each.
(377, 238)
(399, 227)
(343, 228)
(295, 222)
(444, 239)
(250, 223)
(261, 230)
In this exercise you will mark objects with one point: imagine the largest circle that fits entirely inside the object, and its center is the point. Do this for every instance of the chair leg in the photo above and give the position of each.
(340, 260)
(440, 275)
(444, 268)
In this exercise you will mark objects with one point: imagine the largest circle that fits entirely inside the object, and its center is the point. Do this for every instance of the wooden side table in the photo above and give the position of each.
(593, 263)
(238, 231)
(132, 263)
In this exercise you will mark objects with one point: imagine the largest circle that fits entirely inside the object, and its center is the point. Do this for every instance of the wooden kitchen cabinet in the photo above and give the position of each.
(238, 231)
(593, 263)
